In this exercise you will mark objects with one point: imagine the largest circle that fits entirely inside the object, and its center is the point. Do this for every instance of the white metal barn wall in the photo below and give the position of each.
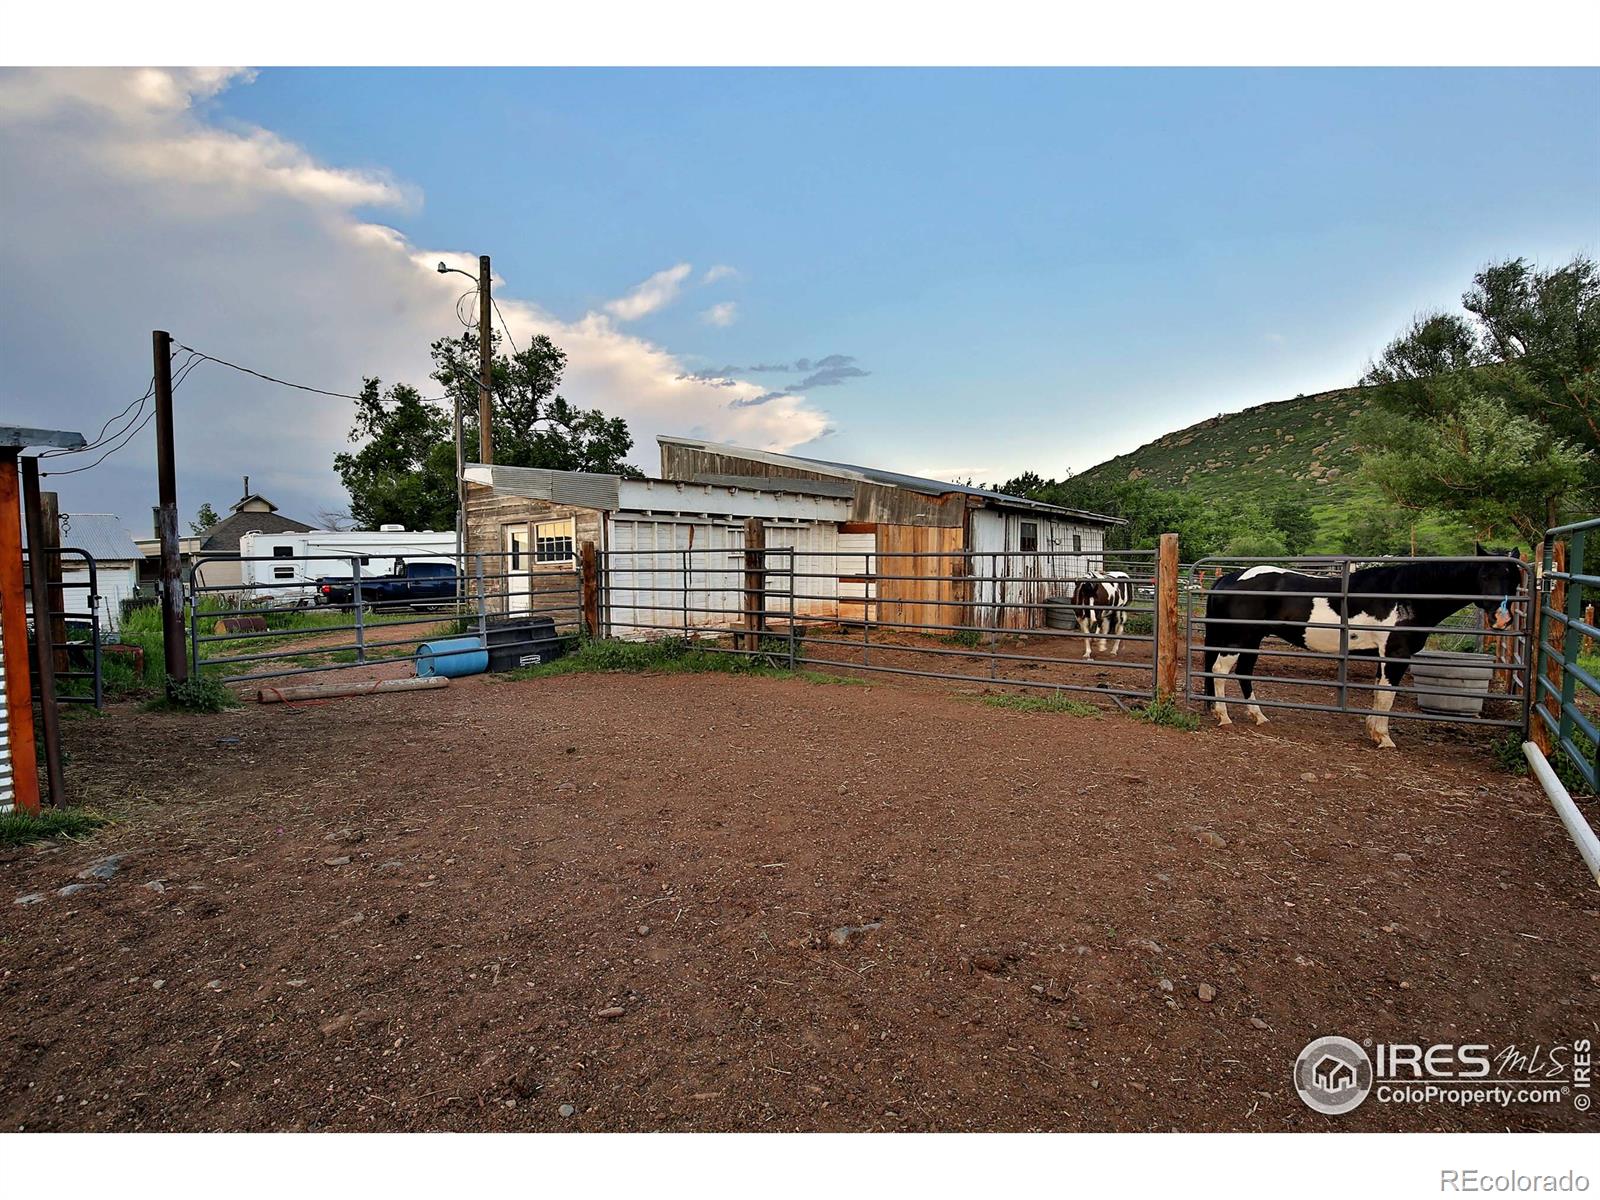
(648, 594)
(1008, 575)
(116, 584)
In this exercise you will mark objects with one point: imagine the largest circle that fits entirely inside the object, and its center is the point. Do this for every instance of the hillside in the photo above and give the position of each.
(1300, 447)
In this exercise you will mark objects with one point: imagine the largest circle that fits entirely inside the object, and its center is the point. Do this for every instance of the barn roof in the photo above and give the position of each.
(100, 535)
(895, 479)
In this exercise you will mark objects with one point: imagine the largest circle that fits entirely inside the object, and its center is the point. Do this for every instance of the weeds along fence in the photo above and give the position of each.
(1340, 669)
(323, 613)
(1002, 618)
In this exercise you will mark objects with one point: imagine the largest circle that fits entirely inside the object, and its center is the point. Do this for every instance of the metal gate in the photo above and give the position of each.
(311, 614)
(71, 632)
(1322, 680)
(996, 618)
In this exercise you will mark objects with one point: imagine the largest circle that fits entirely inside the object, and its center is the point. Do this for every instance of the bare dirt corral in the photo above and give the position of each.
(604, 902)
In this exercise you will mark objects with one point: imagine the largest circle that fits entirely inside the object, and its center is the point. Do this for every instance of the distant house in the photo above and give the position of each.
(218, 546)
(117, 563)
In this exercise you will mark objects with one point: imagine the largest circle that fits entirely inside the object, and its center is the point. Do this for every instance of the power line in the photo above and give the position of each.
(124, 436)
(301, 387)
(504, 325)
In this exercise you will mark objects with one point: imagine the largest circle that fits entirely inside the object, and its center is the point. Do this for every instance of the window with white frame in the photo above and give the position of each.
(553, 542)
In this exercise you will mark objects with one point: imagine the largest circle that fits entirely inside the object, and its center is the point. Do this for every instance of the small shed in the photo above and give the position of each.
(678, 558)
(117, 561)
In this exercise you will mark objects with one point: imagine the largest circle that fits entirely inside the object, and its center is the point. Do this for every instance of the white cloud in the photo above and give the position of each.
(721, 315)
(719, 272)
(126, 208)
(655, 293)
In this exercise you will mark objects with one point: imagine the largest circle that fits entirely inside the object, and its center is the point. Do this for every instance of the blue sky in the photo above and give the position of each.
(1036, 269)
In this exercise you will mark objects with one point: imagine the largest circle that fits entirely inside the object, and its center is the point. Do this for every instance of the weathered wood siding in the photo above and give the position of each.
(552, 588)
(869, 501)
(1010, 584)
(911, 550)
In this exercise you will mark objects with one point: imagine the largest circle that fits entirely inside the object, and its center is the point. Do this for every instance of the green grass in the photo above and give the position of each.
(679, 656)
(18, 829)
(1053, 703)
(1164, 710)
(963, 637)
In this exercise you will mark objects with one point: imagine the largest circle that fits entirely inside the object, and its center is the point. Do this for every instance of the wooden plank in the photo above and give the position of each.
(14, 616)
(755, 582)
(589, 564)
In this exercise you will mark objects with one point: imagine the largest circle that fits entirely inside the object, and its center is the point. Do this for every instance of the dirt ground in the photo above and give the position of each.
(604, 902)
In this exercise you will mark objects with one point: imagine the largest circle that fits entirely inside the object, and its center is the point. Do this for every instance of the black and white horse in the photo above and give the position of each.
(1303, 610)
(1101, 605)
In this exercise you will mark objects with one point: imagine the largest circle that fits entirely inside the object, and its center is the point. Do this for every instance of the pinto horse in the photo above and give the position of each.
(1390, 609)
(1101, 603)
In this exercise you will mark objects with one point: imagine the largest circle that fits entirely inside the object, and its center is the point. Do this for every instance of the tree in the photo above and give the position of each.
(1295, 524)
(1492, 416)
(204, 519)
(404, 470)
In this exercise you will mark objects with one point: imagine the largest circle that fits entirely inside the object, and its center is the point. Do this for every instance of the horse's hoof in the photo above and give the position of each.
(1386, 744)
(1223, 720)
(1259, 717)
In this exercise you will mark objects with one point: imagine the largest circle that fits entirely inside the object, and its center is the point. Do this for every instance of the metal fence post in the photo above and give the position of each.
(1569, 642)
(483, 600)
(361, 633)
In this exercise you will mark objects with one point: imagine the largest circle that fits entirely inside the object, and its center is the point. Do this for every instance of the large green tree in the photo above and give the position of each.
(404, 469)
(1492, 415)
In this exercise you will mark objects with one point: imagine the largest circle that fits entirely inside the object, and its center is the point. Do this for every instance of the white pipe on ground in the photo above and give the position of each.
(1577, 828)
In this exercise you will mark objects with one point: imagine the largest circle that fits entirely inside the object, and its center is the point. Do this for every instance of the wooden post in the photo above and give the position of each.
(14, 641)
(50, 523)
(589, 565)
(1171, 655)
(755, 581)
(176, 652)
(485, 366)
(43, 659)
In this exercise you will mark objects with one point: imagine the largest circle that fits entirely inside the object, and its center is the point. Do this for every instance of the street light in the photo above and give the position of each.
(485, 377)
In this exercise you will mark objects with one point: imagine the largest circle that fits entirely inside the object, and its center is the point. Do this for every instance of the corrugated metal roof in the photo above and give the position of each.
(101, 535)
(577, 488)
(911, 483)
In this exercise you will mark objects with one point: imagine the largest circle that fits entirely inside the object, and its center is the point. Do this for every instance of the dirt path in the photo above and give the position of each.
(524, 859)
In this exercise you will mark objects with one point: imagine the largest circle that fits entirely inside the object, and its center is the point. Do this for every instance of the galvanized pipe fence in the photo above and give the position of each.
(328, 613)
(80, 681)
(1512, 668)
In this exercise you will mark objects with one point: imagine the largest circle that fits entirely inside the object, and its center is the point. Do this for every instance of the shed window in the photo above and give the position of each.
(552, 542)
(1030, 535)
(1077, 542)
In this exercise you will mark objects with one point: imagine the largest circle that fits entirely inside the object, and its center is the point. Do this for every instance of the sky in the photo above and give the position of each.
(957, 273)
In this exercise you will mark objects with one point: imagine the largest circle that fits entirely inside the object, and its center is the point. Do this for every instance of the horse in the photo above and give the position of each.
(1390, 608)
(1101, 603)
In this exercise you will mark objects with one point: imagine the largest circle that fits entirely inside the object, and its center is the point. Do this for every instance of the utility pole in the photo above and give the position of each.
(177, 661)
(485, 364)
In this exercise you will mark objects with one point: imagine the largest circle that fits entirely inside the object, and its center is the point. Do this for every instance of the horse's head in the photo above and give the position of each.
(1499, 580)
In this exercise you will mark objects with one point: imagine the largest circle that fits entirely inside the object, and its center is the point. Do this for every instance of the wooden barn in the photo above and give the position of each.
(868, 544)
(995, 555)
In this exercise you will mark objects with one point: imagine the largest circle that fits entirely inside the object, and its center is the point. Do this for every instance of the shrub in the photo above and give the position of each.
(198, 693)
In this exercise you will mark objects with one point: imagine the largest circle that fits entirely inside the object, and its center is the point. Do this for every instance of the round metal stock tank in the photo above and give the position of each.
(1060, 613)
(1461, 678)
(452, 658)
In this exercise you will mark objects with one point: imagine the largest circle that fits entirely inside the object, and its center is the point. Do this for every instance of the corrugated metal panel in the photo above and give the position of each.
(101, 535)
(663, 497)
(6, 794)
(578, 488)
(854, 562)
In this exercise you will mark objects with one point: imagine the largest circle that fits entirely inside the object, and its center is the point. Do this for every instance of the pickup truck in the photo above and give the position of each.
(414, 585)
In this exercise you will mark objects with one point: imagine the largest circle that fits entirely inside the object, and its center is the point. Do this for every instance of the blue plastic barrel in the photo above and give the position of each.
(452, 658)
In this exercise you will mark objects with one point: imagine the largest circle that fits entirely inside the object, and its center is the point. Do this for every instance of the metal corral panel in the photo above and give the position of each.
(1011, 578)
(666, 575)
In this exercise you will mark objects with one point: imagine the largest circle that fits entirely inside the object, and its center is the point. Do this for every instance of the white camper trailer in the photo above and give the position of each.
(283, 567)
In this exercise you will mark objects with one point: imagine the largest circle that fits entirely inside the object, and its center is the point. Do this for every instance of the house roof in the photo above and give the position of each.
(100, 535)
(243, 500)
(223, 537)
(910, 483)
